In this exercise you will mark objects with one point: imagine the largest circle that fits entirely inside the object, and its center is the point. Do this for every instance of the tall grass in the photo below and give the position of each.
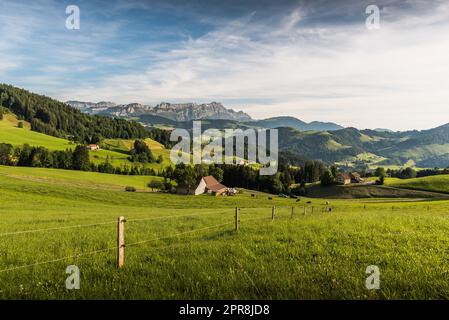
(321, 255)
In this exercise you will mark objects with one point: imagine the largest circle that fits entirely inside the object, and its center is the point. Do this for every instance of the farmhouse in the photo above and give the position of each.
(210, 185)
(343, 178)
(93, 147)
(206, 185)
(356, 178)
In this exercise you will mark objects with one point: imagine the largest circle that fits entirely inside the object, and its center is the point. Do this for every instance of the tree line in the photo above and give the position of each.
(77, 159)
(288, 180)
(58, 119)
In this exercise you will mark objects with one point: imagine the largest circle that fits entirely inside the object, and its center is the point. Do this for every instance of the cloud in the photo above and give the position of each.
(314, 62)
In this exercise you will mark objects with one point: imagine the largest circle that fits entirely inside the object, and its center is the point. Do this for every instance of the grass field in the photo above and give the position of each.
(320, 255)
(355, 191)
(439, 183)
(10, 133)
(123, 146)
(78, 178)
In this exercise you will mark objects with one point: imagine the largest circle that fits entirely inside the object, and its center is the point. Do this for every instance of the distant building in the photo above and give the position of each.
(356, 178)
(343, 179)
(208, 185)
(93, 147)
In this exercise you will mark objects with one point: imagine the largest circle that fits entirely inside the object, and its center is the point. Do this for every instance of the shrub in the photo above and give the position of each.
(155, 184)
(130, 189)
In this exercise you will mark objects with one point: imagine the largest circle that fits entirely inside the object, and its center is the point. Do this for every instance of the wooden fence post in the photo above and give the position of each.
(293, 211)
(273, 212)
(236, 219)
(121, 242)
(305, 211)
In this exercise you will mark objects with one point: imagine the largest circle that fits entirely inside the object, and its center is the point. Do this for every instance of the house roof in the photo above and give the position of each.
(212, 184)
(345, 176)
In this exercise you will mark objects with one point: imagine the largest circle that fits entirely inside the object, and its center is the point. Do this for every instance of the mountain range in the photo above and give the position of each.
(324, 141)
(171, 111)
(169, 115)
(333, 144)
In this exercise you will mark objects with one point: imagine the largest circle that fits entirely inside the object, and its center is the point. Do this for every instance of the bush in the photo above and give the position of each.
(130, 189)
(155, 184)
(20, 125)
(380, 181)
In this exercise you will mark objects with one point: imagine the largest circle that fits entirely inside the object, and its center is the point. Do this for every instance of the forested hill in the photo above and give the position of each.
(348, 146)
(55, 118)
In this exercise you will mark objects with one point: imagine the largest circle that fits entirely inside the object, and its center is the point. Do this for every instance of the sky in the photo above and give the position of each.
(314, 60)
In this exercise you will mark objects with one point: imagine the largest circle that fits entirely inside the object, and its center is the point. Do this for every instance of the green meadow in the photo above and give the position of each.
(117, 151)
(438, 183)
(185, 247)
(11, 133)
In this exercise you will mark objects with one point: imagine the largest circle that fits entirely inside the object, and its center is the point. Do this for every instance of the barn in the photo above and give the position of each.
(207, 184)
(210, 185)
(343, 179)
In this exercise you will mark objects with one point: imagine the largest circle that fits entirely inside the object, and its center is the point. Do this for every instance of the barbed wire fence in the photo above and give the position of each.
(277, 212)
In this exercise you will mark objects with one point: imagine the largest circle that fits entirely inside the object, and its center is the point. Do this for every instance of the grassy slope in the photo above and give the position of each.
(77, 178)
(438, 183)
(369, 191)
(123, 146)
(10, 133)
(320, 255)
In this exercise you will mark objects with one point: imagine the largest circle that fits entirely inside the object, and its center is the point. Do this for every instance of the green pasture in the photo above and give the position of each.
(185, 247)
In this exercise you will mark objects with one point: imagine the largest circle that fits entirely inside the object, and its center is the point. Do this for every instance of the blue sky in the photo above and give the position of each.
(315, 60)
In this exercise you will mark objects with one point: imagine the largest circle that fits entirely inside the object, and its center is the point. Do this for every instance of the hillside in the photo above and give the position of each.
(432, 187)
(89, 180)
(10, 133)
(438, 183)
(295, 123)
(52, 117)
(370, 191)
(116, 151)
(348, 147)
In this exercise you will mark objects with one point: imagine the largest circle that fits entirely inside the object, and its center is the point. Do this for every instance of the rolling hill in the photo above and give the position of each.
(294, 123)
(83, 179)
(427, 148)
(115, 150)
(348, 147)
(438, 183)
